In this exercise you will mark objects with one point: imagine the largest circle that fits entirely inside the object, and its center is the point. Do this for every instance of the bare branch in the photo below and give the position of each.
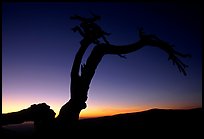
(150, 40)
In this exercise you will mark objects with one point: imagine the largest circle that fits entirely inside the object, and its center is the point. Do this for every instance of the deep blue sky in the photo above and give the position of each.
(38, 48)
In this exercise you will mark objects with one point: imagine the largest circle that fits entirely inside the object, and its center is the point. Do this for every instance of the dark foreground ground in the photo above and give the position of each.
(154, 123)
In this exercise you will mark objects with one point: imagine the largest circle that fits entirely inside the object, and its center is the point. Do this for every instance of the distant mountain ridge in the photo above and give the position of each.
(149, 120)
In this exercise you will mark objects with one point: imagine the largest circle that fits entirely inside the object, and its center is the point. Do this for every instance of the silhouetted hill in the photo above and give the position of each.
(38, 113)
(154, 122)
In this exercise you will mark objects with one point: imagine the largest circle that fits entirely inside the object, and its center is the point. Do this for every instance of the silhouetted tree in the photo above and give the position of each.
(82, 74)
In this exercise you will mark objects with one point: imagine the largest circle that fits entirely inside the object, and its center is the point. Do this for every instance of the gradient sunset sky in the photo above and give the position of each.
(38, 48)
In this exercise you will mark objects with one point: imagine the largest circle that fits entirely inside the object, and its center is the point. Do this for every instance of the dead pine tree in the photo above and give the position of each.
(82, 74)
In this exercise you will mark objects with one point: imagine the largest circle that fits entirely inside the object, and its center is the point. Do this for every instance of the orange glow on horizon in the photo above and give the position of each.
(99, 111)
(14, 105)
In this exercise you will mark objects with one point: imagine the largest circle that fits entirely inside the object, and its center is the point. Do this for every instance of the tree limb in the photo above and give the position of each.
(78, 58)
(149, 41)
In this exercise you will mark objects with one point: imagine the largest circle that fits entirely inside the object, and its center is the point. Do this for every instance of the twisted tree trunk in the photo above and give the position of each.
(69, 113)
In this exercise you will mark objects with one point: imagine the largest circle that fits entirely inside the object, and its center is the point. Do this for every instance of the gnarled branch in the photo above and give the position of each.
(149, 41)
